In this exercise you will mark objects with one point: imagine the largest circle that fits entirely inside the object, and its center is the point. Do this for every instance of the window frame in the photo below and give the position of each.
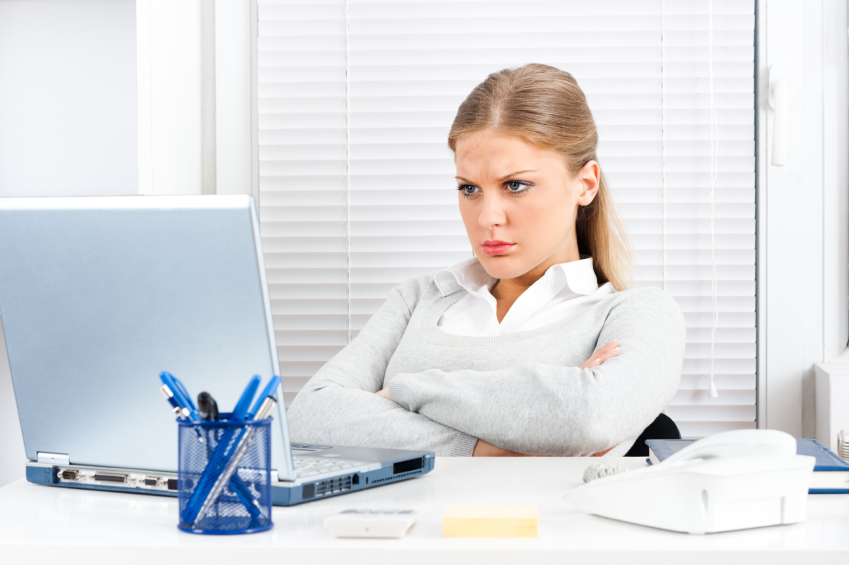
(803, 300)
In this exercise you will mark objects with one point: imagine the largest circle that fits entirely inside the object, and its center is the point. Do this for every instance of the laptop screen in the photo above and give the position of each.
(99, 295)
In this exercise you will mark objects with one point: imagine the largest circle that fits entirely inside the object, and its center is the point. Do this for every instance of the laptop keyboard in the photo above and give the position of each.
(306, 466)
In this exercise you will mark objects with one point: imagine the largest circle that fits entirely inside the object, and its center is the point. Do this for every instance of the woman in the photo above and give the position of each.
(535, 346)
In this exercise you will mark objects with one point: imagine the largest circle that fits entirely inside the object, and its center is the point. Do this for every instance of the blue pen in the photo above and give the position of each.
(182, 412)
(179, 389)
(180, 394)
(166, 390)
(185, 393)
(241, 409)
(269, 390)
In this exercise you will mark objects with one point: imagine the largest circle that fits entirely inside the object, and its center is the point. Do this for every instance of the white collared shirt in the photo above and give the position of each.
(565, 290)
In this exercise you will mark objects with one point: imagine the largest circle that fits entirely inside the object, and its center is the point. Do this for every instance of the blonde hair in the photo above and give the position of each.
(546, 107)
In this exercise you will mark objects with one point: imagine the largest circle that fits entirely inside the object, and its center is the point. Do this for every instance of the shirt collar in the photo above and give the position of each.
(579, 275)
(470, 275)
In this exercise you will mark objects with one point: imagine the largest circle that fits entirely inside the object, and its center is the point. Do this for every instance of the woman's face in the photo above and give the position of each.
(519, 203)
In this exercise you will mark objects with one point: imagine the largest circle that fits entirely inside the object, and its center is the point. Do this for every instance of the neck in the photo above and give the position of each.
(508, 290)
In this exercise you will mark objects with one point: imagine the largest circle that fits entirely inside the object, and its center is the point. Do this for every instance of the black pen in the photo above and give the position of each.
(207, 407)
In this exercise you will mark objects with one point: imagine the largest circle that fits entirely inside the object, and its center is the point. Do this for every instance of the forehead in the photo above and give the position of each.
(494, 155)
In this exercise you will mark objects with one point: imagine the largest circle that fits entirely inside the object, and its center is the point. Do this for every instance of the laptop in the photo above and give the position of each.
(98, 295)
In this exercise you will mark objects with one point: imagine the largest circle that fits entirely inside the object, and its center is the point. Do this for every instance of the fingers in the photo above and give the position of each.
(485, 449)
(609, 347)
(608, 351)
(601, 453)
(602, 355)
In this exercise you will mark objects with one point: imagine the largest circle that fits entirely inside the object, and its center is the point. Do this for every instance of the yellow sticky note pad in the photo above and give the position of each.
(490, 521)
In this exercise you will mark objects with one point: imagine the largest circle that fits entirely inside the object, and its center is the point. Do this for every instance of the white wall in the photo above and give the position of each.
(234, 160)
(68, 123)
(195, 97)
(170, 96)
(68, 97)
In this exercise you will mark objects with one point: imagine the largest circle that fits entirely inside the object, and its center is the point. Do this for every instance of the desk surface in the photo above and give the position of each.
(56, 525)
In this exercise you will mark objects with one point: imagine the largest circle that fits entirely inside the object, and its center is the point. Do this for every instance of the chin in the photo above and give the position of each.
(501, 266)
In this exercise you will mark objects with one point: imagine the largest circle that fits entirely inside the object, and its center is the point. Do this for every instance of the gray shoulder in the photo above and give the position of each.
(413, 290)
(651, 302)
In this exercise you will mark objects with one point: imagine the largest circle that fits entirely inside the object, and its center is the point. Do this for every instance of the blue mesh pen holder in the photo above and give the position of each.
(225, 476)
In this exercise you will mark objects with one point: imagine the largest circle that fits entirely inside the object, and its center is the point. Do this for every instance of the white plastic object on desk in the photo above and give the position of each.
(371, 523)
(730, 481)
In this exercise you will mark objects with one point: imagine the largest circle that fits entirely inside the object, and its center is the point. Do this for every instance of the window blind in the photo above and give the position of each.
(356, 188)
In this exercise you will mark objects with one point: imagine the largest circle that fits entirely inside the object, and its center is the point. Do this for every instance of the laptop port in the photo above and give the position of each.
(333, 486)
(172, 484)
(151, 481)
(109, 478)
(409, 465)
(70, 475)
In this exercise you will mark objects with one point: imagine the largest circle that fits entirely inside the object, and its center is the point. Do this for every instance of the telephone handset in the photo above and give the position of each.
(730, 481)
(737, 443)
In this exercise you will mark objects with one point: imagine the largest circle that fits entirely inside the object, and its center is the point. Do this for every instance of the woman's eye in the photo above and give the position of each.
(516, 186)
(467, 189)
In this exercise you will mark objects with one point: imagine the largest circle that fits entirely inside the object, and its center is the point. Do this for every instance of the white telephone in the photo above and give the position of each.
(729, 481)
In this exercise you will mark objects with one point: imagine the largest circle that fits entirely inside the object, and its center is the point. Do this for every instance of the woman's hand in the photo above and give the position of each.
(602, 355)
(384, 393)
(486, 449)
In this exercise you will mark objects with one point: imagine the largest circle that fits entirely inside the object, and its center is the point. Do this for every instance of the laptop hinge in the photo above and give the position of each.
(54, 458)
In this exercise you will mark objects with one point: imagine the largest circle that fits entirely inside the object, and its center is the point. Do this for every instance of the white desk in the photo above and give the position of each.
(57, 525)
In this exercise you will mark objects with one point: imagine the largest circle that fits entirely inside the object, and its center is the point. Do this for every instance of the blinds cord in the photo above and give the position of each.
(662, 143)
(348, 166)
(714, 172)
(663, 132)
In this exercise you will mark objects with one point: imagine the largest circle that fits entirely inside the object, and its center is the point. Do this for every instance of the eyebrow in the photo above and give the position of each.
(505, 177)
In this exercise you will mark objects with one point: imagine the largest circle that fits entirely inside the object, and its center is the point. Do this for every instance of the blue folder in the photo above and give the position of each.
(827, 460)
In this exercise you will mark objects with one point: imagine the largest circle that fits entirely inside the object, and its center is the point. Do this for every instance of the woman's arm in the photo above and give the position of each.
(547, 410)
(339, 405)
(486, 449)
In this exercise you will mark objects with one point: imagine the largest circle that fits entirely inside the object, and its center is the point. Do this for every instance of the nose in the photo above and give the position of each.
(492, 211)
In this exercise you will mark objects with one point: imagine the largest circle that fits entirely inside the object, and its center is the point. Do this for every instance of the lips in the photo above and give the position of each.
(496, 247)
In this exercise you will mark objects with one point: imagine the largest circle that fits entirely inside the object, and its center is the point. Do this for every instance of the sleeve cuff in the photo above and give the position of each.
(463, 445)
(397, 390)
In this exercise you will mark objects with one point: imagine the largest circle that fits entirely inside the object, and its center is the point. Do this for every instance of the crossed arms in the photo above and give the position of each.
(529, 408)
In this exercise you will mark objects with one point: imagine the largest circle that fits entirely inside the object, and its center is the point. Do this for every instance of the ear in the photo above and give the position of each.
(588, 177)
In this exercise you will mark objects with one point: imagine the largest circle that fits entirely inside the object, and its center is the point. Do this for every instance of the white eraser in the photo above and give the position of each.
(371, 523)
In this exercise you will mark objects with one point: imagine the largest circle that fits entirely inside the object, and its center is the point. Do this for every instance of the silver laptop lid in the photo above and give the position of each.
(99, 295)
